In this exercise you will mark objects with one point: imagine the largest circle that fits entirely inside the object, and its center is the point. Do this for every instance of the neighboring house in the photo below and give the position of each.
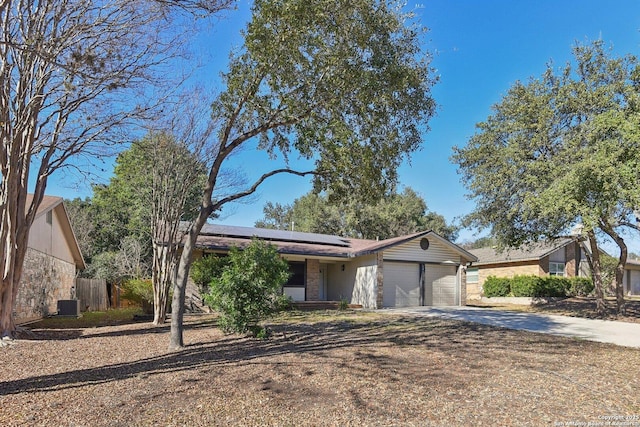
(559, 257)
(418, 269)
(51, 263)
(631, 278)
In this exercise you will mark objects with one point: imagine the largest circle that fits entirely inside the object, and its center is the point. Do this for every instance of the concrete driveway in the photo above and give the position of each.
(620, 333)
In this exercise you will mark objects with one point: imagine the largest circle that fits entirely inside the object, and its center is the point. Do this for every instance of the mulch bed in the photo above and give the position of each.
(317, 369)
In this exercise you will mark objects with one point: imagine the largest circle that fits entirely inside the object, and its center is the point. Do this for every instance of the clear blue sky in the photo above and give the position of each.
(480, 49)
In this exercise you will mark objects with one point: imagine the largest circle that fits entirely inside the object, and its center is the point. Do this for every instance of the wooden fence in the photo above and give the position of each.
(92, 294)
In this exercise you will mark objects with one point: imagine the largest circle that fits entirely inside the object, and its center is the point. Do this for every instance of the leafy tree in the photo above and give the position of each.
(560, 150)
(204, 270)
(73, 73)
(83, 224)
(249, 288)
(156, 184)
(482, 242)
(344, 82)
(393, 215)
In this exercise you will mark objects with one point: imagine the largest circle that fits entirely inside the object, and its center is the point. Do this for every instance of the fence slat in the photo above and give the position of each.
(92, 294)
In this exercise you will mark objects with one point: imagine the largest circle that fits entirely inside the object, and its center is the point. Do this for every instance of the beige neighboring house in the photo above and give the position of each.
(52, 261)
(560, 257)
(418, 269)
(631, 278)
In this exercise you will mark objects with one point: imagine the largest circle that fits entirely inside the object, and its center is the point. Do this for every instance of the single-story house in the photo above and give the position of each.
(559, 257)
(51, 264)
(418, 269)
(631, 278)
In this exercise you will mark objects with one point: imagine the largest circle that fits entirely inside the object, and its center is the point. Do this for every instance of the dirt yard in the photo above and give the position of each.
(318, 369)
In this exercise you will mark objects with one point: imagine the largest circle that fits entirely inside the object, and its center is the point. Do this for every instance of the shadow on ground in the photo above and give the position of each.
(404, 332)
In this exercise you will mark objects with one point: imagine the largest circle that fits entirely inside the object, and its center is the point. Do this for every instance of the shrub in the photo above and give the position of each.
(497, 287)
(580, 287)
(205, 269)
(139, 291)
(525, 286)
(249, 289)
(551, 286)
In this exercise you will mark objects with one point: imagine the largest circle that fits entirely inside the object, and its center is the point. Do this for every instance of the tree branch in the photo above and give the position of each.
(255, 186)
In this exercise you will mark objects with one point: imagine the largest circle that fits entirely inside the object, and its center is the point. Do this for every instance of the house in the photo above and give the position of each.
(51, 263)
(560, 257)
(418, 269)
(631, 278)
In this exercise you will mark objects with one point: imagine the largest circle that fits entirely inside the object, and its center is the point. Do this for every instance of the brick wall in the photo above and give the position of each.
(45, 280)
(474, 290)
(313, 280)
(571, 264)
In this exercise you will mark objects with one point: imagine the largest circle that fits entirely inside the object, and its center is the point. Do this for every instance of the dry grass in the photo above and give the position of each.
(319, 368)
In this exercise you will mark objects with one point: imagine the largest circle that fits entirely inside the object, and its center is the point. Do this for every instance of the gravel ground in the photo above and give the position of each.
(317, 369)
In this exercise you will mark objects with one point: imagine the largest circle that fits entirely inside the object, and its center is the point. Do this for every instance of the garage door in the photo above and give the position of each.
(442, 280)
(401, 284)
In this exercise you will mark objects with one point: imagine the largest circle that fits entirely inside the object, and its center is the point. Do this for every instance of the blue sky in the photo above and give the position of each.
(480, 49)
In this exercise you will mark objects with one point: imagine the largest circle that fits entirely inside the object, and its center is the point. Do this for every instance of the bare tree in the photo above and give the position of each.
(69, 71)
(175, 175)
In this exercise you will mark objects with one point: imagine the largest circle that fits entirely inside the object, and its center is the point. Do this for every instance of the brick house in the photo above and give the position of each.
(51, 263)
(559, 257)
(418, 269)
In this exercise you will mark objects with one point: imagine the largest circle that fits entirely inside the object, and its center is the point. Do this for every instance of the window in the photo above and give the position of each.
(472, 275)
(297, 270)
(49, 217)
(556, 268)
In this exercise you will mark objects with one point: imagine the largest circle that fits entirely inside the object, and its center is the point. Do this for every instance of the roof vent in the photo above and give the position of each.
(424, 243)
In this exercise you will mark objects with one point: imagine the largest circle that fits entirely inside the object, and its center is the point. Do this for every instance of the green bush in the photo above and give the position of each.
(205, 269)
(580, 287)
(524, 286)
(139, 291)
(497, 287)
(249, 289)
(551, 286)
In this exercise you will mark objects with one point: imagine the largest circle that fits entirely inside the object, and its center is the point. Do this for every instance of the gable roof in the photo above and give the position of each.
(530, 252)
(54, 203)
(222, 237)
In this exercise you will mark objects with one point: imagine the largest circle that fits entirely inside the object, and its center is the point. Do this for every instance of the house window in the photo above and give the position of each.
(297, 270)
(472, 275)
(556, 268)
(50, 217)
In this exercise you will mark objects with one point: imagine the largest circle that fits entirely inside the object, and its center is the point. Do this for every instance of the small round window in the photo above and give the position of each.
(424, 244)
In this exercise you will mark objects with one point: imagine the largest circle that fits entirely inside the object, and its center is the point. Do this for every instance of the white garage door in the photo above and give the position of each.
(401, 284)
(442, 281)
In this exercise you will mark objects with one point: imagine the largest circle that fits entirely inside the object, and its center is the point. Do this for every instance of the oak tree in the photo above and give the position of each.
(344, 83)
(561, 150)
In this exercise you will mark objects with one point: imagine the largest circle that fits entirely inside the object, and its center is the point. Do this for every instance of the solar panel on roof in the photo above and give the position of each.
(269, 234)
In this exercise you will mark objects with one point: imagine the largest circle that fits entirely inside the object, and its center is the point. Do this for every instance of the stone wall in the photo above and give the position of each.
(45, 280)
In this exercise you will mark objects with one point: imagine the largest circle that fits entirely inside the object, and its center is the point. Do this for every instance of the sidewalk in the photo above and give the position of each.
(606, 331)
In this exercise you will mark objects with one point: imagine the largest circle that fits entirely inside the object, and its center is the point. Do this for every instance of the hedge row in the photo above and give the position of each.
(534, 286)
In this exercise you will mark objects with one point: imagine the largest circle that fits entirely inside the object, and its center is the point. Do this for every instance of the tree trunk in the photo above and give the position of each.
(182, 277)
(622, 260)
(596, 273)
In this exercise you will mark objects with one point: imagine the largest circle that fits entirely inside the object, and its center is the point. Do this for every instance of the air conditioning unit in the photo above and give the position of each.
(69, 307)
